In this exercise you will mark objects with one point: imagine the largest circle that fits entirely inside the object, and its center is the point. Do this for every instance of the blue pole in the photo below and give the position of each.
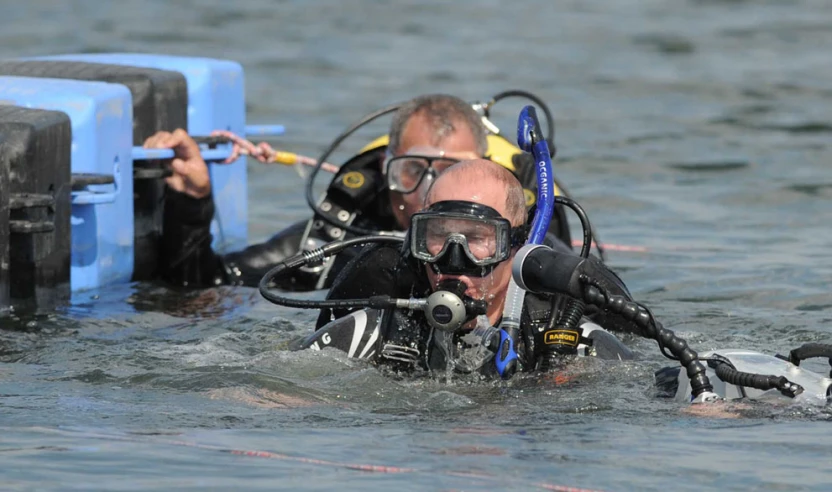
(210, 155)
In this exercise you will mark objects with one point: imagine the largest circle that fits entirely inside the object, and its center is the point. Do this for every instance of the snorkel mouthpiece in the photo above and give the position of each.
(449, 308)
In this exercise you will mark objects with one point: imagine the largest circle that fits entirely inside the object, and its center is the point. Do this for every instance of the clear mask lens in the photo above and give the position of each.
(480, 237)
(484, 241)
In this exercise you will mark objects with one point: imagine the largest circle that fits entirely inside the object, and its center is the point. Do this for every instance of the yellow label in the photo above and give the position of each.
(563, 337)
(353, 179)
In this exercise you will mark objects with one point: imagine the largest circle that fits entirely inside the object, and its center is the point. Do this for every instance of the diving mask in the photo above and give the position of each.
(462, 238)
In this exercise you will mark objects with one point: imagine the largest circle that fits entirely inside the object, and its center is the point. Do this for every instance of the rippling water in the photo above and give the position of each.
(699, 130)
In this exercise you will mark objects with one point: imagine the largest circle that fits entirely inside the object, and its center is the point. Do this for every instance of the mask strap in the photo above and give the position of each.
(518, 235)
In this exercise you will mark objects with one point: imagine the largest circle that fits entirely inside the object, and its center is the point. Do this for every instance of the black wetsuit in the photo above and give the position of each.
(402, 337)
(188, 260)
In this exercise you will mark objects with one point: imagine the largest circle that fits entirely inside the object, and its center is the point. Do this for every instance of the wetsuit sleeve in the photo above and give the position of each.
(189, 260)
(248, 266)
(186, 255)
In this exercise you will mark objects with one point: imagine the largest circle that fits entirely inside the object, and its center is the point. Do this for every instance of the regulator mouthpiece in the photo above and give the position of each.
(449, 308)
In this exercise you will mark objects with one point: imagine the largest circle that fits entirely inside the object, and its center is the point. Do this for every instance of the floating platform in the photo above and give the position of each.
(70, 128)
(34, 207)
(101, 116)
(216, 101)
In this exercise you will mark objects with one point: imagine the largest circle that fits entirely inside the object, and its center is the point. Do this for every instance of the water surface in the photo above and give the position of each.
(698, 130)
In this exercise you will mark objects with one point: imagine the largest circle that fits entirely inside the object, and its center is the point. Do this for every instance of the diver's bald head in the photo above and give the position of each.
(481, 181)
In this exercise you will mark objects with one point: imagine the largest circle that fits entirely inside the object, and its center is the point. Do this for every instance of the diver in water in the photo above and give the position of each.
(377, 190)
(462, 245)
(442, 305)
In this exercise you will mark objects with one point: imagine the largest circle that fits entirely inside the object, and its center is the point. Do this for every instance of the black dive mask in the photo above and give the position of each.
(462, 238)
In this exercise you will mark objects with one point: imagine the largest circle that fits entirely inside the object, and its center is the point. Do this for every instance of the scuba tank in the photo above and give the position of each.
(738, 373)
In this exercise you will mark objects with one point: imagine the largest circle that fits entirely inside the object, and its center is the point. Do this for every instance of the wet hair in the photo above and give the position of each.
(445, 114)
(482, 169)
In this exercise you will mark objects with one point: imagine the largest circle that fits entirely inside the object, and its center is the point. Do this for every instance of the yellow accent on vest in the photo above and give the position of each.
(501, 151)
(379, 142)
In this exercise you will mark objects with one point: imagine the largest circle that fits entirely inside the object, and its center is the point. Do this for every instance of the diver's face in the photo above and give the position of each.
(419, 138)
(492, 288)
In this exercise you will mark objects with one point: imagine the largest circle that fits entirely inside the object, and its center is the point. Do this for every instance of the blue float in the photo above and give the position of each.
(216, 101)
(101, 116)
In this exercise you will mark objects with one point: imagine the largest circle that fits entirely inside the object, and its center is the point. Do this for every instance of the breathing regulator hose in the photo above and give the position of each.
(726, 372)
(643, 318)
(317, 255)
(446, 309)
(810, 350)
(538, 268)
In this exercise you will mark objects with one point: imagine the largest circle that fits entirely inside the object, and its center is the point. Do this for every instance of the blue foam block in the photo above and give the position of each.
(102, 136)
(216, 101)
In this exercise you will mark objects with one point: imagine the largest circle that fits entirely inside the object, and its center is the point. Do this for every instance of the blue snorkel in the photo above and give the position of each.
(530, 138)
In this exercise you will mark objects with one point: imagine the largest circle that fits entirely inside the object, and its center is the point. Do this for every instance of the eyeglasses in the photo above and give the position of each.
(406, 172)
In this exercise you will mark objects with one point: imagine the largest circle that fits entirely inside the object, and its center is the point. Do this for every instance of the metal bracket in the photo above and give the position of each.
(80, 181)
(22, 201)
